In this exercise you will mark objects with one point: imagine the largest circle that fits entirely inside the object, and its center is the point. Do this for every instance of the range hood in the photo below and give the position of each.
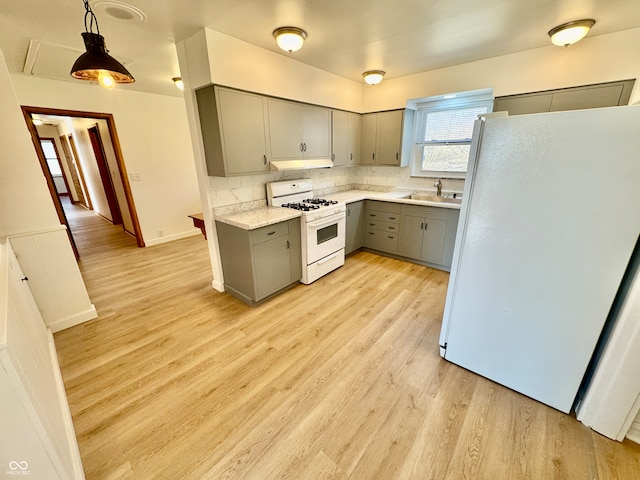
(302, 164)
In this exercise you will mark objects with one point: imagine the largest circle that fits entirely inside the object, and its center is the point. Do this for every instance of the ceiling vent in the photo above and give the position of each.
(119, 10)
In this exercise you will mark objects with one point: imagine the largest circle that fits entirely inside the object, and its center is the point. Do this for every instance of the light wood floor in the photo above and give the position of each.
(340, 379)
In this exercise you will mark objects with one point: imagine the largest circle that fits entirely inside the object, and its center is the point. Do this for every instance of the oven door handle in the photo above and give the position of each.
(323, 222)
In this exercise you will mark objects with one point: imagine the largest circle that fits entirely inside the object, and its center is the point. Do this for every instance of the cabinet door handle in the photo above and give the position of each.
(305, 147)
(396, 155)
(301, 147)
(264, 159)
(425, 226)
(333, 157)
(348, 212)
(373, 156)
(271, 233)
(287, 244)
(422, 226)
(351, 156)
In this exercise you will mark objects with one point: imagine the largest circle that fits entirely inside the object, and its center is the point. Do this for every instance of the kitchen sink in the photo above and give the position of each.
(433, 198)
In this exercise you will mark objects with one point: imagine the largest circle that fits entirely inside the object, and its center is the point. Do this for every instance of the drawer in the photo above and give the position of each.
(269, 232)
(390, 207)
(379, 240)
(385, 226)
(383, 216)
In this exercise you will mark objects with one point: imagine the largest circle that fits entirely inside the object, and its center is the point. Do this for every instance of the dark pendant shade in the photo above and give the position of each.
(89, 64)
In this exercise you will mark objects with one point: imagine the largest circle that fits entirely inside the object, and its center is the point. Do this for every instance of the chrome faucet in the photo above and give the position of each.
(438, 185)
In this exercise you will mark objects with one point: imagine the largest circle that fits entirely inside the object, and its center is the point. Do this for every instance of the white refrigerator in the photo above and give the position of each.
(549, 221)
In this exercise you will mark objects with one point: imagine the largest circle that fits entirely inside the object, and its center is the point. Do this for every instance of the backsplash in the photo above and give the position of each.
(249, 191)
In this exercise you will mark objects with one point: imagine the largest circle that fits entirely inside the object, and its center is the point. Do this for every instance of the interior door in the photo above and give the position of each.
(105, 175)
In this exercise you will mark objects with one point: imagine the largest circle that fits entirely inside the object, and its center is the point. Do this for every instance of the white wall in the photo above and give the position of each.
(593, 60)
(154, 137)
(27, 215)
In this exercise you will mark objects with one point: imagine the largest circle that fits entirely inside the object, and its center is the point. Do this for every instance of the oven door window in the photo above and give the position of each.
(327, 233)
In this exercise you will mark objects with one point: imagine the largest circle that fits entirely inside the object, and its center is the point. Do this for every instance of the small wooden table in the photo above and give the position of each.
(198, 222)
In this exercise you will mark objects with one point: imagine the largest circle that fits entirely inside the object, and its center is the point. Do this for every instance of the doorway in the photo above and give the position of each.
(105, 188)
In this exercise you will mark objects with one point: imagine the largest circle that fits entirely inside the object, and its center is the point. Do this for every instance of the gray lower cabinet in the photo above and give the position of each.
(428, 234)
(355, 226)
(382, 226)
(259, 263)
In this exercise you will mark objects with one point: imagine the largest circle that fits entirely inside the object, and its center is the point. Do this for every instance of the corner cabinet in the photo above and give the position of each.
(383, 136)
(346, 134)
(428, 234)
(38, 438)
(234, 131)
(298, 130)
(354, 233)
(260, 263)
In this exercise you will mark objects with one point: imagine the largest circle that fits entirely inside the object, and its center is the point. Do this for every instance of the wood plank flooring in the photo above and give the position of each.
(340, 379)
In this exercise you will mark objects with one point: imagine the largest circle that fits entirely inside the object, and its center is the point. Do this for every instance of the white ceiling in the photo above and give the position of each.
(345, 37)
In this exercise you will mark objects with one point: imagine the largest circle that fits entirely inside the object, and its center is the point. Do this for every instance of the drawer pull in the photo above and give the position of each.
(392, 228)
(271, 233)
(391, 237)
(392, 218)
(371, 233)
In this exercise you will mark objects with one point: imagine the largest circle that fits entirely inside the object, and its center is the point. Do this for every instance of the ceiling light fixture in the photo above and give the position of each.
(178, 82)
(373, 77)
(570, 32)
(96, 63)
(289, 39)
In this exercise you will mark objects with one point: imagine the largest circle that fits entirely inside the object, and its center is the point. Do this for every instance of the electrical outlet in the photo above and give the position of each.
(161, 233)
(135, 176)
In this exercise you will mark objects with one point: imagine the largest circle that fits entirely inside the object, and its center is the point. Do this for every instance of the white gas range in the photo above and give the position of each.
(322, 226)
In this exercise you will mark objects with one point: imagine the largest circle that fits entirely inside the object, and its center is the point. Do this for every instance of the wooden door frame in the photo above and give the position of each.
(105, 174)
(27, 111)
(78, 165)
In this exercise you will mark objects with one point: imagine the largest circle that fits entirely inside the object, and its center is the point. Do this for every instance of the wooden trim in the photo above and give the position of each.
(28, 110)
(78, 164)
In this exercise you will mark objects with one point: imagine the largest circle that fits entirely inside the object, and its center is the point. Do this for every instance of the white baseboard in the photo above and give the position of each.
(171, 238)
(76, 319)
(73, 453)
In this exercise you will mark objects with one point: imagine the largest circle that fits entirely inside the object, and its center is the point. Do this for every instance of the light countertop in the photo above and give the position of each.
(259, 217)
(263, 216)
(395, 196)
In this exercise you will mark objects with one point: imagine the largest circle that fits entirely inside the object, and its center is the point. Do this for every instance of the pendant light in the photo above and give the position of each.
(96, 64)
(570, 32)
(373, 77)
(289, 39)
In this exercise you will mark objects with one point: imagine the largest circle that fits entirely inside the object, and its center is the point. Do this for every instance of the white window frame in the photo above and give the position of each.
(461, 101)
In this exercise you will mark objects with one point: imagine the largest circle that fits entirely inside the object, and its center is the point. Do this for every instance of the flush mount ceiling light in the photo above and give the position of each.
(96, 63)
(570, 32)
(289, 39)
(178, 82)
(373, 77)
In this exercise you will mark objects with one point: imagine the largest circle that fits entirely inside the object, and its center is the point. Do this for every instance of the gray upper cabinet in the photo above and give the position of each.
(345, 138)
(298, 130)
(382, 137)
(608, 94)
(234, 131)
